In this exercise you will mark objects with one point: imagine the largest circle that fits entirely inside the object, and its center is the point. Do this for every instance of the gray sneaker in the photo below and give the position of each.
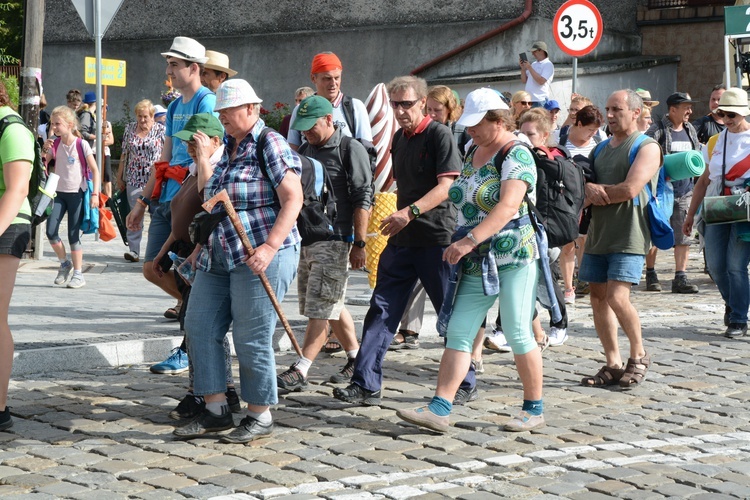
(76, 281)
(62, 274)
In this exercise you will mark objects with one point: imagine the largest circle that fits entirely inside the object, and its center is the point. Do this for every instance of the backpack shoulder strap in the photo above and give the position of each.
(348, 109)
(636, 147)
(564, 135)
(260, 145)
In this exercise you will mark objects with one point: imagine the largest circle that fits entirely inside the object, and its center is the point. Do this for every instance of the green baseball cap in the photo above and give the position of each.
(309, 110)
(205, 122)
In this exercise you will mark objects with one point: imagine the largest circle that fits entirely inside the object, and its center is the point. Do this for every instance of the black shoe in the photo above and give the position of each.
(652, 282)
(735, 330)
(233, 400)
(203, 423)
(357, 395)
(6, 421)
(248, 430)
(682, 285)
(190, 407)
(291, 380)
(345, 375)
(463, 396)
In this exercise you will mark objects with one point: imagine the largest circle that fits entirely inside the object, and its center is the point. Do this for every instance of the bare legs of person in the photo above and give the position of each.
(8, 268)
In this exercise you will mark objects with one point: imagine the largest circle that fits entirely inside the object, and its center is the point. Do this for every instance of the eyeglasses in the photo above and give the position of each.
(722, 114)
(403, 104)
(525, 103)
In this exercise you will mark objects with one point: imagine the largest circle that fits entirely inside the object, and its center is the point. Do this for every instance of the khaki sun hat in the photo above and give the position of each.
(646, 96)
(219, 62)
(734, 100)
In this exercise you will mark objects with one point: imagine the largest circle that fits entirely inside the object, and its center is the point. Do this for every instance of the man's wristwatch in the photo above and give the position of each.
(415, 211)
(359, 244)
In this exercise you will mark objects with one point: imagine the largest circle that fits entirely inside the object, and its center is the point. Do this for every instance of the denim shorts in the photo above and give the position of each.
(15, 239)
(625, 267)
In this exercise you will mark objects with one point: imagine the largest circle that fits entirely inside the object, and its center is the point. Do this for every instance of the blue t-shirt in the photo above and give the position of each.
(178, 115)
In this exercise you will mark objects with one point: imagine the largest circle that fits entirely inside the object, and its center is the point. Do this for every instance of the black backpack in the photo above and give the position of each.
(348, 109)
(315, 220)
(37, 182)
(559, 193)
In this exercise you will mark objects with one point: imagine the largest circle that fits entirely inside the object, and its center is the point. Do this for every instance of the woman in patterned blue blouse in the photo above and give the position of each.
(227, 288)
(496, 251)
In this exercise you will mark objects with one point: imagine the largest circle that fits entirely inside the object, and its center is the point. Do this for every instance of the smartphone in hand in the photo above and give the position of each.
(523, 57)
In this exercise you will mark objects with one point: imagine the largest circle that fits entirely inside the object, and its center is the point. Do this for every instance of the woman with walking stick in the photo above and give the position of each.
(262, 181)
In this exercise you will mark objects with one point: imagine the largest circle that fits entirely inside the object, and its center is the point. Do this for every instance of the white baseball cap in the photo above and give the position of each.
(477, 103)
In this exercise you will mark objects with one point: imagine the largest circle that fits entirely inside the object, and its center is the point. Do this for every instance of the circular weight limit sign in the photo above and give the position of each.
(577, 27)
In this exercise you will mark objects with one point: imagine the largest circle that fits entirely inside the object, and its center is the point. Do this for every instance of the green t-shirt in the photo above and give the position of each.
(16, 143)
(620, 227)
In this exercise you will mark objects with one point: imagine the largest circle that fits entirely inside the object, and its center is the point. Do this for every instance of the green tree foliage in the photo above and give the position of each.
(11, 85)
(11, 32)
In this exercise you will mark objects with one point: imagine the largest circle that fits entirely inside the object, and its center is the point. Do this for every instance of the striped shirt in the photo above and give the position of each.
(251, 193)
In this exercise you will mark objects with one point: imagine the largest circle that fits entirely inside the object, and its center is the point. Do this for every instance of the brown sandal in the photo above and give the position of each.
(635, 371)
(604, 377)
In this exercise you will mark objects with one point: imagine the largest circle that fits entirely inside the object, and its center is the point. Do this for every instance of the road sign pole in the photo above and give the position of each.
(727, 72)
(98, 54)
(575, 75)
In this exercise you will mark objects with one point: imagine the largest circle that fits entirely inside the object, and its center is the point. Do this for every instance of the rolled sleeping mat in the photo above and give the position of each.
(385, 205)
(724, 209)
(684, 165)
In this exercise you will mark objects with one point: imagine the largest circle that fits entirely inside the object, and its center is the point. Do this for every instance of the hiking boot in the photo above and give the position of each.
(557, 336)
(177, 362)
(525, 422)
(233, 400)
(581, 287)
(6, 421)
(423, 417)
(203, 423)
(62, 274)
(735, 330)
(248, 430)
(681, 285)
(345, 375)
(463, 396)
(131, 257)
(357, 395)
(652, 282)
(190, 407)
(76, 281)
(291, 380)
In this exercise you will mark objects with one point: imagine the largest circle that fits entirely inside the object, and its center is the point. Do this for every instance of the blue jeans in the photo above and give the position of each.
(220, 298)
(158, 229)
(727, 258)
(399, 269)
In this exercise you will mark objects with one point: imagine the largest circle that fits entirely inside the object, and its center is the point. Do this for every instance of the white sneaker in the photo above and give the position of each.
(497, 342)
(76, 281)
(557, 336)
(131, 257)
(570, 296)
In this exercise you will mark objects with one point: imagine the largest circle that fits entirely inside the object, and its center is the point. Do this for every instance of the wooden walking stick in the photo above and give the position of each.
(223, 198)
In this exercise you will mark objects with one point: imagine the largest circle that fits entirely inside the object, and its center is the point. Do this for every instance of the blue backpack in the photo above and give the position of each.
(660, 206)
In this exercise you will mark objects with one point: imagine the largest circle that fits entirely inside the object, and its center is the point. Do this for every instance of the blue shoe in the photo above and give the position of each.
(177, 362)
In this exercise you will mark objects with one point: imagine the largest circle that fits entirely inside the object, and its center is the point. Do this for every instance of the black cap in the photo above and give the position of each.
(679, 98)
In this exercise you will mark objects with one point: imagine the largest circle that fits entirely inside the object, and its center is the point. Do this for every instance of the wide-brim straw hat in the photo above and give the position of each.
(219, 62)
(646, 96)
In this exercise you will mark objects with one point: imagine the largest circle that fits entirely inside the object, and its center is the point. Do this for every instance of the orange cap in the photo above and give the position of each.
(325, 61)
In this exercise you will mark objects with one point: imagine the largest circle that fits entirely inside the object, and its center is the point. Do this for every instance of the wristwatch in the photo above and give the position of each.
(359, 244)
(415, 211)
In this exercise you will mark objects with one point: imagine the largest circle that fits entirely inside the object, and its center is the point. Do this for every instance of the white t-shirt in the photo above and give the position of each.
(737, 161)
(540, 93)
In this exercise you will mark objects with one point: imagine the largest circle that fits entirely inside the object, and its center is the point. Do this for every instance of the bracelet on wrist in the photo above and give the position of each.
(471, 238)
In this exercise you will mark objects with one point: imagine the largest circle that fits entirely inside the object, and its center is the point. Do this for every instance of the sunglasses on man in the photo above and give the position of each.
(403, 104)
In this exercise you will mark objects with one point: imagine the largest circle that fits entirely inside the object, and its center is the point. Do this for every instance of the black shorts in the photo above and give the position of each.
(107, 174)
(15, 239)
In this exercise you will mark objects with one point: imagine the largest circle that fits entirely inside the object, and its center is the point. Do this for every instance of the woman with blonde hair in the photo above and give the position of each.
(142, 144)
(520, 102)
(74, 163)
